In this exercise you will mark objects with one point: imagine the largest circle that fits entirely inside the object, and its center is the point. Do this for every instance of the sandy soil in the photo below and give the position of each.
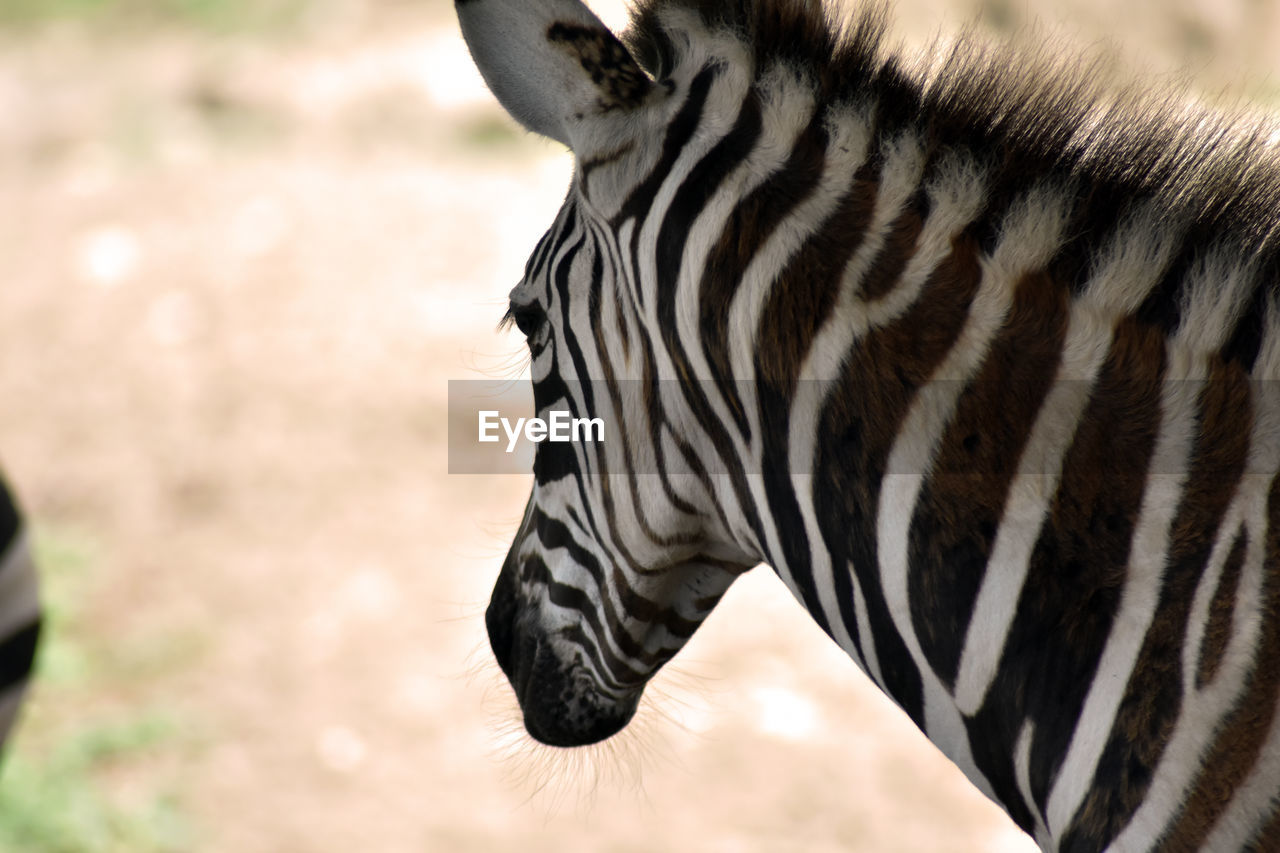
(237, 277)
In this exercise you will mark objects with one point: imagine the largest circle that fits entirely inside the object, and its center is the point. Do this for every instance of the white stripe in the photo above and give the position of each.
(870, 656)
(1253, 803)
(618, 360)
(1144, 576)
(786, 109)
(1206, 588)
(1084, 351)
(1133, 263)
(718, 117)
(758, 280)
(846, 151)
(627, 262)
(849, 317)
(1203, 710)
(1219, 289)
(1022, 777)
(719, 114)
(956, 196)
(1032, 232)
(1128, 270)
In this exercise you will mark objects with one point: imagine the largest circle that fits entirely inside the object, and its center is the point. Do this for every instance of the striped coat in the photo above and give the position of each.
(977, 353)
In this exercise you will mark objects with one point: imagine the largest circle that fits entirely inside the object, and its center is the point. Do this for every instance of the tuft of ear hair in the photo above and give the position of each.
(552, 64)
(621, 83)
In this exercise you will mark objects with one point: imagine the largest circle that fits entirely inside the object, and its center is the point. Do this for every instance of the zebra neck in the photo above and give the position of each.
(957, 448)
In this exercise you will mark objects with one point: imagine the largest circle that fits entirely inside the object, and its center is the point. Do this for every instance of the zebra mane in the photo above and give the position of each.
(1214, 175)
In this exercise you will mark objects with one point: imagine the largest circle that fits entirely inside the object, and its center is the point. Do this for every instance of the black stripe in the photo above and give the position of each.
(799, 304)
(960, 505)
(899, 247)
(617, 291)
(618, 673)
(679, 132)
(882, 374)
(1153, 697)
(586, 168)
(560, 278)
(1242, 730)
(694, 465)
(1076, 572)
(553, 534)
(720, 439)
(553, 460)
(698, 188)
(747, 230)
(689, 202)
(1245, 342)
(10, 519)
(1163, 306)
(706, 176)
(18, 653)
(545, 245)
(1095, 218)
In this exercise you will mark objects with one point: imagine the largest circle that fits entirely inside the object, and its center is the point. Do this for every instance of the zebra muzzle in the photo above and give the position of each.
(561, 704)
(560, 701)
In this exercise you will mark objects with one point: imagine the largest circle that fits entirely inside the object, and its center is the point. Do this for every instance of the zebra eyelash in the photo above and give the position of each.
(527, 318)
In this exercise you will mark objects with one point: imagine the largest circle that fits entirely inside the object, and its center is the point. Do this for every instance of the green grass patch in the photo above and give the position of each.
(53, 803)
(77, 781)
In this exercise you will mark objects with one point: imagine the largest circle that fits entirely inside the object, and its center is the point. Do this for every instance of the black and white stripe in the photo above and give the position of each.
(19, 612)
(979, 356)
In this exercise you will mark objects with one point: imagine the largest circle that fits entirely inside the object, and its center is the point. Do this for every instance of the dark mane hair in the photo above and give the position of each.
(1214, 175)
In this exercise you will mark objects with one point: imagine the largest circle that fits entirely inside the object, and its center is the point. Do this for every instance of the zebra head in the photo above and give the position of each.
(617, 560)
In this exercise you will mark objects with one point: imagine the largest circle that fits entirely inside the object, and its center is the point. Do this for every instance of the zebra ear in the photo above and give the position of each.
(551, 63)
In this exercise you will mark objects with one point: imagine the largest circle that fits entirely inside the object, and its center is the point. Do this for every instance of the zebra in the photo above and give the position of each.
(20, 614)
(975, 351)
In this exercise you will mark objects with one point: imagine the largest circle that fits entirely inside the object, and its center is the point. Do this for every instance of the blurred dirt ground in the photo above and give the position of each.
(236, 273)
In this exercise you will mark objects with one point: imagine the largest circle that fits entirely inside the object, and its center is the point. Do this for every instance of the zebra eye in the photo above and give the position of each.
(528, 318)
